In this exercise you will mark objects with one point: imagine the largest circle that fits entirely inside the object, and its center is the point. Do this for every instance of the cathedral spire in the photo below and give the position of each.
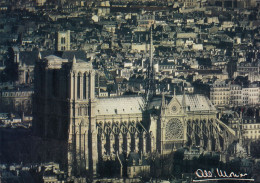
(184, 100)
(150, 89)
(74, 59)
(163, 103)
(174, 147)
(151, 48)
(39, 55)
(163, 100)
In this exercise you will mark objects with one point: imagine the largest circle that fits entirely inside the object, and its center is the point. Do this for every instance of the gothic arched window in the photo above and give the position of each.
(85, 86)
(78, 87)
(63, 40)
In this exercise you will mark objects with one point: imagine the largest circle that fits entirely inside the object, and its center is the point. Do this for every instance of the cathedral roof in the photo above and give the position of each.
(193, 102)
(135, 104)
(80, 55)
(196, 102)
(120, 105)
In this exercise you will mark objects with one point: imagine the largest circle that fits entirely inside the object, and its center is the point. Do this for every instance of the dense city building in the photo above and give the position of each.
(116, 90)
(17, 100)
(223, 93)
(248, 127)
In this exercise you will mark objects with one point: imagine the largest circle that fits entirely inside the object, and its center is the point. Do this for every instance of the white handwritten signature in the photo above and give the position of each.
(205, 175)
(208, 174)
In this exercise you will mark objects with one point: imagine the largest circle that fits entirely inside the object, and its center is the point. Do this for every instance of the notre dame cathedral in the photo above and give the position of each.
(66, 107)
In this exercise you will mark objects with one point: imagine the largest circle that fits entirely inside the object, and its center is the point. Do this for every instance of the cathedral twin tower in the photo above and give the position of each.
(65, 108)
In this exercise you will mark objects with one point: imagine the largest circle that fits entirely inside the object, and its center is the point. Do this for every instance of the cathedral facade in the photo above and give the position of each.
(66, 108)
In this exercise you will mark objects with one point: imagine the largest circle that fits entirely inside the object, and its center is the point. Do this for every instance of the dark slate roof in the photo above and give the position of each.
(70, 54)
(30, 57)
(209, 71)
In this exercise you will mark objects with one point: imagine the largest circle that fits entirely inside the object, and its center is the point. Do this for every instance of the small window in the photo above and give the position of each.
(79, 111)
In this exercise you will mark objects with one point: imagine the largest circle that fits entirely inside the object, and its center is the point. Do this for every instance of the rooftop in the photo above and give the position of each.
(120, 105)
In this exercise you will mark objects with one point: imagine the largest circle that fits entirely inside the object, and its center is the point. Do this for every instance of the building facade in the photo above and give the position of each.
(236, 95)
(220, 93)
(250, 95)
(225, 94)
(17, 101)
(248, 69)
(249, 127)
(234, 3)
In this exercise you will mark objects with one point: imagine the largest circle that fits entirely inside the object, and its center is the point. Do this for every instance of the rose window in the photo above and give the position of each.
(174, 129)
(174, 109)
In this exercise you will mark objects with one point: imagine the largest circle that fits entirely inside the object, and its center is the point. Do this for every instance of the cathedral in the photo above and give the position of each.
(66, 108)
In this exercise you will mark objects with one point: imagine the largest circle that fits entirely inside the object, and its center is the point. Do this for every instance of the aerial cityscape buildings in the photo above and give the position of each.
(128, 91)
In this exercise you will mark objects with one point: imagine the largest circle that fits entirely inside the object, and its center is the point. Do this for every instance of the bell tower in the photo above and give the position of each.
(63, 40)
(64, 110)
(82, 139)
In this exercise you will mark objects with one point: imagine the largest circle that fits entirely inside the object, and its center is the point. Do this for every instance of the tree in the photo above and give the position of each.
(10, 72)
(178, 164)
(255, 149)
